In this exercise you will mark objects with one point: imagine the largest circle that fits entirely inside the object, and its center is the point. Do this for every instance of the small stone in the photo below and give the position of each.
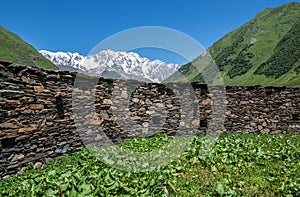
(206, 102)
(22, 137)
(22, 170)
(58, 150)
(18, 157)
(142, 109)
(40, 150)
(104, 115)
(8, 126)
(96, 122)
(12, 113)
(266, 131)
(13, 101)
(46, 91)
(7, 150)
(113, 108)
(27, 111)
(63, 94)
(135, 118)
(124, 94)
(65, 148)
(288, 104)
(170, 106)
(146, 124)
(259, 127)
(68, 113)
(227, 113)
(151, 112)
(145, 130)
(135, 100)
(107, 102)
(36, 106)
(276, 132)
(26, 129)
(159, 105)
(246, 118)
(266, 109)
(243, 102)
(99, 137)
(148, 102)
(6, 176)
(68, 76)
(38, 165)
(196, 123)
(42, 139)
(38, 89)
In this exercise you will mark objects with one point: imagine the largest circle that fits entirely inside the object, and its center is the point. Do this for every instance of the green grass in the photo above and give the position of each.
(14, 49)
(237, 165)
(272, 60)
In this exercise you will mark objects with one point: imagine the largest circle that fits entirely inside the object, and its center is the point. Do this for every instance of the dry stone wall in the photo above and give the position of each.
(44, 115)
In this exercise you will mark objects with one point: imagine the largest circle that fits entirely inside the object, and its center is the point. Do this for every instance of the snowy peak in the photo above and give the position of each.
(124, 64)
(60, 59)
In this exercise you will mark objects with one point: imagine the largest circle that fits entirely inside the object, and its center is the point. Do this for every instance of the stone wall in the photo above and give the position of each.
(35, 111)
(44, 115)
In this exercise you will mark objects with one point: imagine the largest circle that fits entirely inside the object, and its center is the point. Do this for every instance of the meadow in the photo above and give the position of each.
(237, 165)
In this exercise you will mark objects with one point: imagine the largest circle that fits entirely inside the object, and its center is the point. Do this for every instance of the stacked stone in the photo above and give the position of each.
(256, 109)
(44, 114)
(35, 116)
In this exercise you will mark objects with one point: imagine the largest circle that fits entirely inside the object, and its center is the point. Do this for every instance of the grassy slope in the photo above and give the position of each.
(14, 49)
(231, 52)
(275, 24)
(238, 165)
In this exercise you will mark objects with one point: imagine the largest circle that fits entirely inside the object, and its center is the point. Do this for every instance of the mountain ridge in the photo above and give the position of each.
(116, 64)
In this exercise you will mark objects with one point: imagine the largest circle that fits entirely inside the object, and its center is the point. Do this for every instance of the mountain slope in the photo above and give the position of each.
(14, 49)
(113, 64)
(65, 60)
(264, 51)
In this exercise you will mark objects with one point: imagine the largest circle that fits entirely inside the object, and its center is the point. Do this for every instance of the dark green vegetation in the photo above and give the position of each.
(285, 57)
(264, 51)
(238, 165)
(15, 50)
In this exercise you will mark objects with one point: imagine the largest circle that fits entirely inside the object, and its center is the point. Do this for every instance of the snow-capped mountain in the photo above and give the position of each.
(122, 64)
(62, 59)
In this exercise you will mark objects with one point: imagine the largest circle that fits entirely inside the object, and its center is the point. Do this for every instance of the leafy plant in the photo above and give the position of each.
(237, 165)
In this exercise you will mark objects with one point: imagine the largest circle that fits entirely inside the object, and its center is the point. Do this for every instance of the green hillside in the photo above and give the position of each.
(264, 51)
(16, 50)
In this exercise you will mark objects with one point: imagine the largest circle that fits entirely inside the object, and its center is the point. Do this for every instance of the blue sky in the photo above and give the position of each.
(78, 26)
